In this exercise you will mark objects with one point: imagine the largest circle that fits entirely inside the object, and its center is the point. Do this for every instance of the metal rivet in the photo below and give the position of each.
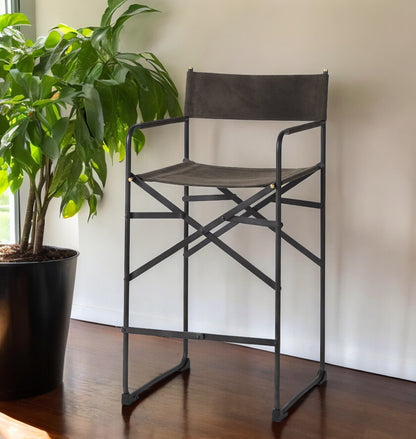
(130, 179)
(272, 186)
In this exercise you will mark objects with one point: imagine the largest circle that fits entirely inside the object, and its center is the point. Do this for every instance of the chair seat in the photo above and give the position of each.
(189, 173)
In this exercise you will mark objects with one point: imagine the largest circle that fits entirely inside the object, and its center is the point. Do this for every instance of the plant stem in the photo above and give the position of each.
(39, 232)
(27, 226)
(39, 214)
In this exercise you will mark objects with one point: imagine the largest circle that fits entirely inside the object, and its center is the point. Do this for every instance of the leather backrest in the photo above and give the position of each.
(256, 97)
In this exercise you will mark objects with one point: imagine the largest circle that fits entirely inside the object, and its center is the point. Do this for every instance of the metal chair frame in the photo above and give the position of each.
(247, 212)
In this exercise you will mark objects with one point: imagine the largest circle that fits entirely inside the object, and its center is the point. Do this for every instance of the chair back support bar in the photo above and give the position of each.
(256, 97)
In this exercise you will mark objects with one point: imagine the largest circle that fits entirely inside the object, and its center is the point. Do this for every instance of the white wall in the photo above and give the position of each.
(367, 45)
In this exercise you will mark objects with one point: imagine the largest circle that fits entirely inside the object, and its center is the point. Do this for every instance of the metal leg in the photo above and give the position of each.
(127, 203)
(278, 414)
(323, 253)
(281, 412)
(185, 358)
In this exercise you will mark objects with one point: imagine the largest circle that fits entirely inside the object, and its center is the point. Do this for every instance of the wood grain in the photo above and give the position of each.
(227, 394)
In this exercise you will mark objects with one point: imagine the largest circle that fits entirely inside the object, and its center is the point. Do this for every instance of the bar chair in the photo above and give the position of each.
(300, 98)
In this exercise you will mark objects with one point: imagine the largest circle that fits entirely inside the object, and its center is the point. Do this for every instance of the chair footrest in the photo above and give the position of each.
(129, 398)
(200, 336)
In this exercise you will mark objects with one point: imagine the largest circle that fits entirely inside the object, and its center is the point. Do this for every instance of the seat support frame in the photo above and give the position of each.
(247, 212)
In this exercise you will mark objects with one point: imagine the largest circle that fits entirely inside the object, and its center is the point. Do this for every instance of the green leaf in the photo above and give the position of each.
(101, 39)
(132, 57)
(4, 182)
(26, 64)
(73, 201)
(96, 188)
(100, 165)
(55, 56)
(15, 139)
(25, 83)
(68, 140)
(79, 63)
(87, 31)
(15, 177)
(34, 131)
(94, 111)
(68, 95)
(75, 171)
(120, 73)
(52, 39)
(138, 141)
(46, 84)
(92, 203)
(59, 130)
(131, 11)
(83, 178)
(14, 131)
(43, 103)
(72, 207)
(82, 136)
(4, 123)
(37, 154)
(66, 29)
(49, 147)
(94, 73)
(118, 25)
(13, 20)
(113, 5)
(62, 171)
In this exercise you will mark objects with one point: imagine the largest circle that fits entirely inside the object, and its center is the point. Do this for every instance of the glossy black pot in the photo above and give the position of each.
(35, 310)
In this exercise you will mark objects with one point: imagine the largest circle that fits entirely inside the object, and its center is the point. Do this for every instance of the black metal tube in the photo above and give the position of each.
(322, 250)
(301, 249)
(302, 127)
(278, 256)
(156, 123)
(127, 197)
(301, 203)
(130, 398)
(202, 336)
(153, 215)
(185, 273)
(186, 139)
(242, 219)
(315, 382)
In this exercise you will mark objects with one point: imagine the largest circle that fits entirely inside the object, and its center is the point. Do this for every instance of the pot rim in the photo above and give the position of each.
(76, 254)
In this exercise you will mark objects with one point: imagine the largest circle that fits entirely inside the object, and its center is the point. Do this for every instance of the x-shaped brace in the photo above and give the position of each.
(206, 230)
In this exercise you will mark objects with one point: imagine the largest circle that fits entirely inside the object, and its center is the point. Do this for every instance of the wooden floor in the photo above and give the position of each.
(227, 394)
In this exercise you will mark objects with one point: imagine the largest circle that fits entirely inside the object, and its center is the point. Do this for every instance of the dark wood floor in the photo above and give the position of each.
(227, 394)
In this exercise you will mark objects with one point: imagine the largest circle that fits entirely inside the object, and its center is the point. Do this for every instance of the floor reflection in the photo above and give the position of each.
(13, 429)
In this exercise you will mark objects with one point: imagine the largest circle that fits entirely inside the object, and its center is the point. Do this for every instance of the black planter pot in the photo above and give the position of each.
(35, 310)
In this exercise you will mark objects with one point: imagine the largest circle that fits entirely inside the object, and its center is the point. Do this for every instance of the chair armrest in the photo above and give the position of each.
(298, 128)
(156, 123)
(292, 130)
(143, 125)
(295, 129)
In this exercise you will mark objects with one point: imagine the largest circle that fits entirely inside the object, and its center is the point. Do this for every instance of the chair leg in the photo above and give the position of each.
(323, 253)
(185, 358)
(281, 412)
(278, 415)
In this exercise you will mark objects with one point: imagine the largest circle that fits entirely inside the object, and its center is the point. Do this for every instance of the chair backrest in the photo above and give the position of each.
(256, 97)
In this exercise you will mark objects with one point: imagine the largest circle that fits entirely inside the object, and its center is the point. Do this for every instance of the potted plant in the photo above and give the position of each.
(66, 100)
